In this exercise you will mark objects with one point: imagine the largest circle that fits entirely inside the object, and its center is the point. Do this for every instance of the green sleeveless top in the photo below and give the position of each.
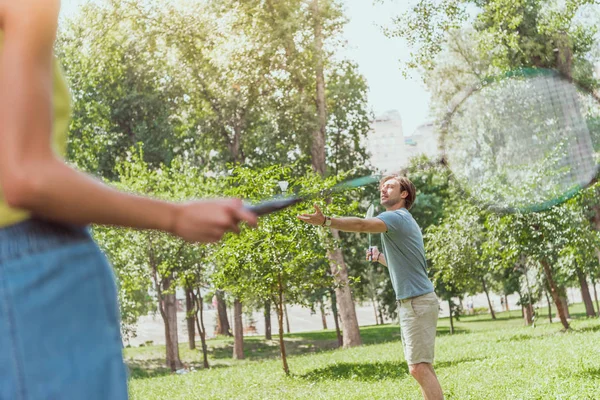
(62, 112)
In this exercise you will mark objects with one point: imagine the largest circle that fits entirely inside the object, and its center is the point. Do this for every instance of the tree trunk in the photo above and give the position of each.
(268, 335)
(555, 294)
(596, 295)
(169, 313)
(351, 332)
(190, 312)
(487, 295)
(167, 306)
(528, 314)
(223, 327)
(562, 290)
(506, 303)
(318, 137)
(286, 369)
(451, 319)
(565, 304)
(380, 314)
(323, 315)
(287, 320)
(375, 311)
(201, 328)
(596, 220)
(238, 331)
(585, 294)
(521, 303)
(549, 305)
(336, 318)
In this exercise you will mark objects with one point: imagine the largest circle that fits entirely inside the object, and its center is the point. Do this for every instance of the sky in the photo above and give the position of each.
(378, 57)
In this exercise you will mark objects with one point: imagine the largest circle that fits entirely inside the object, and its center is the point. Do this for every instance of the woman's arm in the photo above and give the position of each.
(33, 178)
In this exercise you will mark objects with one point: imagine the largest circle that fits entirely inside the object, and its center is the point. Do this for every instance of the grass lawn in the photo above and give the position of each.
(484, 359)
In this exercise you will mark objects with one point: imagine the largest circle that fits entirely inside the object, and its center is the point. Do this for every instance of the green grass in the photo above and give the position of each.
(485, 359)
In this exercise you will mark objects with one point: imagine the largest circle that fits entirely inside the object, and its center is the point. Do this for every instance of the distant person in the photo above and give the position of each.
(404, 255)
(59, 320)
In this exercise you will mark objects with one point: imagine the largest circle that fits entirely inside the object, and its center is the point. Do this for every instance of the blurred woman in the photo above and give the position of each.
(59, 321)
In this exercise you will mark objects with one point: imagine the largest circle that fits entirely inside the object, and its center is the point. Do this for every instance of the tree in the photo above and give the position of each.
(121, 91)
(512, 33)
(164, 256)
(455, 249)
(509, 35)
(281, 259)
(543, 237)
(131, 273)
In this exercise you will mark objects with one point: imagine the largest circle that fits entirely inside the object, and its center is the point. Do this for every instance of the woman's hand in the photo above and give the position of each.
(207, 221)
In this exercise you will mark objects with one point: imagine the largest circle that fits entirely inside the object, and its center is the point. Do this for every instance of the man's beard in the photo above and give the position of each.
(389, 202)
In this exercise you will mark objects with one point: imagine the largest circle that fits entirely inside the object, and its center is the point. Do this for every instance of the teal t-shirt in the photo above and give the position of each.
(405, 254)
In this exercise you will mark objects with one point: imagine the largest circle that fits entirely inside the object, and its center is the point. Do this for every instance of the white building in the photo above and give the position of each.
(391, 150)
(385, 142)
(424, 140)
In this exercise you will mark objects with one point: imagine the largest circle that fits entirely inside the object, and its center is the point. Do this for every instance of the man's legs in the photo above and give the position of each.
(427, 379)
(418, 321)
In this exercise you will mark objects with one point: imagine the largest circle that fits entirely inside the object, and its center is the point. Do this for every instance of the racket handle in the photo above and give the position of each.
(271, 206)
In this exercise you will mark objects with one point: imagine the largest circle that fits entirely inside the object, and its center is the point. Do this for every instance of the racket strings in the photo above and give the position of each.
(579, 159)
(518, 142)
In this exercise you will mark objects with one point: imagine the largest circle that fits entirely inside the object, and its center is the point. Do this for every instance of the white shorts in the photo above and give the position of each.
(418, 325)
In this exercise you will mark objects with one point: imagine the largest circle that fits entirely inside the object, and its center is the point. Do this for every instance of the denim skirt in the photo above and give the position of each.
(59, 320)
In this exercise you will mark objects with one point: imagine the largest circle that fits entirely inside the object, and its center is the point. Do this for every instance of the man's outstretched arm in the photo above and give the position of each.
(346, 224)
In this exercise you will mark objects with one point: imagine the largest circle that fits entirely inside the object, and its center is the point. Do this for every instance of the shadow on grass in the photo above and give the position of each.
(445, 330)
(372, 371)
(314, 342)
(447, 364)
(595, 328)
(590, 373)
(485, 317)
(154, 368)
(147, 369)
(261, 349)
(306, 342)
(516, 338)
(145, 365)
(573, 314)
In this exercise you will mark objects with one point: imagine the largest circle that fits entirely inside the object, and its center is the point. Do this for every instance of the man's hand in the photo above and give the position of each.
(317, 218)
(373, 254)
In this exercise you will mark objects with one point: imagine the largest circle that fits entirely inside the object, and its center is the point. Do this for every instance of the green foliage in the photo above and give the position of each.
(510, 33)
(141, 257)
(454, 248)
(118, 74)
(282, 249)
(425, 28)
(213, 81)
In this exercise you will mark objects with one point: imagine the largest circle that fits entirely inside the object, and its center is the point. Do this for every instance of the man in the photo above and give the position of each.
(404, 255)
